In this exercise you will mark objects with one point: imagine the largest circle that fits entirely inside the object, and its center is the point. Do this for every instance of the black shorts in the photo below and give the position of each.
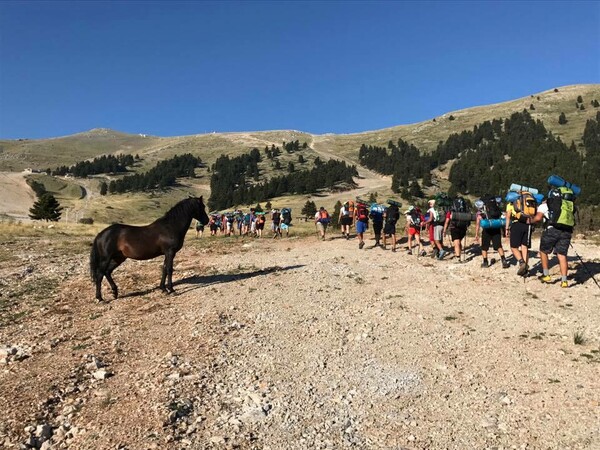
(493, 236)
(390, 228)
(346, 220)
(520, 234)
(555, 239)
(458, 233)
(377, 227)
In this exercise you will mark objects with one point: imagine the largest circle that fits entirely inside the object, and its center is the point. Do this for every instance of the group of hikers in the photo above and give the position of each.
(525, 208)
(514, 220)
(251, 223)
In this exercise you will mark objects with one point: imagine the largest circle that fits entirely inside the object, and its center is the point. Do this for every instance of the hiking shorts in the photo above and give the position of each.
(557, 240)
(413, 231)
(520, 234)
(346, 221)
(260, 226)
(458, 233)
(361, 227)
(438, 233)
(390, 228)
(491, 236)
(377, 227)
(321, 227)
(285, 226)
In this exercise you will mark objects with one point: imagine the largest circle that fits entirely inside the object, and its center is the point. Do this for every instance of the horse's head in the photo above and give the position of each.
(201, 212)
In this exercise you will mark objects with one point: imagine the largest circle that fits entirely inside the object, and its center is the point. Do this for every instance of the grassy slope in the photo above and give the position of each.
(139, 208)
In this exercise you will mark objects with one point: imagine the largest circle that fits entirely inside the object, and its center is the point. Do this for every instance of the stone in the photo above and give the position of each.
(102, 374)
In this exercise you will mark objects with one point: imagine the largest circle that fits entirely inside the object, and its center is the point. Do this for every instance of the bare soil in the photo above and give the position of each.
(295, 343)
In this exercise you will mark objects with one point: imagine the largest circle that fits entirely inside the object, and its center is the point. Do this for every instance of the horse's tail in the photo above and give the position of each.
(94, 260)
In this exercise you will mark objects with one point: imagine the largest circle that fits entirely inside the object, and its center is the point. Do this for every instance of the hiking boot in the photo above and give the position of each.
(546, 279)
(441, 255)
(522, 269)
(505, 264)
(485, 264)
(564, 284)
(410, 252)
(347, 236)
(361, 244)
(394, 249)
(423, 253)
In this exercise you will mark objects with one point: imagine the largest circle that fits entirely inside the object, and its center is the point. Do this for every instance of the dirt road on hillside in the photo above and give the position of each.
(295, 344)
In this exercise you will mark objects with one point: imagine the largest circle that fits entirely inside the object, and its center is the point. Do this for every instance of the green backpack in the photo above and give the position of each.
(561, 209)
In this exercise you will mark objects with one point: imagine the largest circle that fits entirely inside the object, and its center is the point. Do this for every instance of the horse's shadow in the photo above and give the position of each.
(209, 280)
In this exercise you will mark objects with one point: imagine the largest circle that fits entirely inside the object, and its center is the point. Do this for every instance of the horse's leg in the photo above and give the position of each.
(112, 265)
(99, 277)
(167, 274)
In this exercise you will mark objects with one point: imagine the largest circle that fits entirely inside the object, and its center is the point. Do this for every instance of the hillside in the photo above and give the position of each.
(16, 155)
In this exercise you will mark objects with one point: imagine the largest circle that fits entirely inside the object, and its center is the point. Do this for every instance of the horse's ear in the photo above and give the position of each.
(201, 199)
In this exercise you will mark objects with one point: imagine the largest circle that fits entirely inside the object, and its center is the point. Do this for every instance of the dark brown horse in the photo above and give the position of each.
(164, 236)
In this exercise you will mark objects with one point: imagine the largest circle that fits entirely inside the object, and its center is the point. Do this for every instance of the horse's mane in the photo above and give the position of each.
(182, 210)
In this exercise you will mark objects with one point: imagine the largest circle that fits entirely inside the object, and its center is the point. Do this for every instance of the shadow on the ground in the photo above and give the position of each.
(208, 280)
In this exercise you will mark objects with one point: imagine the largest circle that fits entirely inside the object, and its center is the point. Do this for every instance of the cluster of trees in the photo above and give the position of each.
(161, 176)
(230, 181)
(102, 164)
(294, 146)
(492, 156)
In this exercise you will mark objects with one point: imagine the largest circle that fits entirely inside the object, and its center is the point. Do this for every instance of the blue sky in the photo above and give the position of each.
(177, 68)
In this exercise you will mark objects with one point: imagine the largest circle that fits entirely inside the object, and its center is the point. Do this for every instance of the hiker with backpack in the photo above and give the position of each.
(260, 224)
(346, 218)
(414, 220)
(520, 214)
(391, 217)
(276, 223)
(489, 220)
(322, 219)
(437, 217)
(457, 222)
(376, 214)
(558, 214)
(286, 220)
(362, 222)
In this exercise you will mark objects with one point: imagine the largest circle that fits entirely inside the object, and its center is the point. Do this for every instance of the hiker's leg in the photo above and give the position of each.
(457, 247)
(564, 266)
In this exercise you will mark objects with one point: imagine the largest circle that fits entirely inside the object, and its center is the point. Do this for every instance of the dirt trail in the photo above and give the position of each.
(298, 343)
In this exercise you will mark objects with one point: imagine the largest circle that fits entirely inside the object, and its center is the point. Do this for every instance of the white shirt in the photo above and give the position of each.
(543, 208)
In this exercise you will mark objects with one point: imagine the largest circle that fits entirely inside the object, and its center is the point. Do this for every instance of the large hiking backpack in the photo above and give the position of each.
(350, 208)
(525, 206)
(491, 208)
(416, 218)
(362, 213)
(324, 217)
(392, 214)
(377, 211)
(561, 209)
(276, 217)
(459, 205)
(286, 215)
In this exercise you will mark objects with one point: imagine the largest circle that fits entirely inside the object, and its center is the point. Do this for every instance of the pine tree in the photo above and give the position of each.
(309, 209)
(268, 206)
(301, 159)
(373, 197)
(46, 208)
(258, 208)
(562, 119)
(415, 189)
(531, 107)
(103, 188)
(336, 214)
(579, 99)
(290, 167)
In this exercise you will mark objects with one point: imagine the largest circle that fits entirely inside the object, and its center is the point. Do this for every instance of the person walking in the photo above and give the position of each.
(362, 222)
(376, 215)
(414, 219)
(519, 228)
(557, 212)
(391, 217)
(346, 218)
(489, 235)
(322, 219)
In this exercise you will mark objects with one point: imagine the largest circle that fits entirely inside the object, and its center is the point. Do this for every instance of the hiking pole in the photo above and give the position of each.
(584, 265)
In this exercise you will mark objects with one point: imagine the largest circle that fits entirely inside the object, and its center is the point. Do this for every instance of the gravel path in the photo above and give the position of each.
(296, 343)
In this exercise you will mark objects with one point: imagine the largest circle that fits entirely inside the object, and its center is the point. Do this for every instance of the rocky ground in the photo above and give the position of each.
(295, 343)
